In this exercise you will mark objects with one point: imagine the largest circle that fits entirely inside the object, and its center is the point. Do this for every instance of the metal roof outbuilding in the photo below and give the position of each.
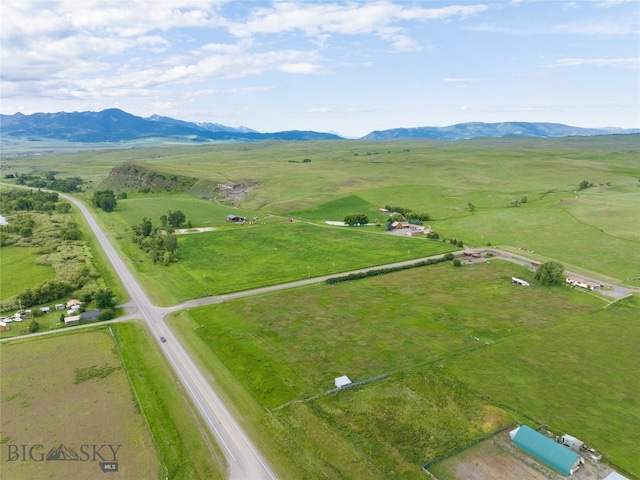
(546, 450)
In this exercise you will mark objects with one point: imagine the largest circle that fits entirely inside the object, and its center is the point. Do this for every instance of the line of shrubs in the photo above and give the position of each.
(383, 271)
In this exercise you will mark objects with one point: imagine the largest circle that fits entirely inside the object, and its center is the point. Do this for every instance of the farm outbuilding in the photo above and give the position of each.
(72, 320)
(571, 442)
(546, 450)
(520, 281)
(615, 476)
(235, 218)
(342, 381)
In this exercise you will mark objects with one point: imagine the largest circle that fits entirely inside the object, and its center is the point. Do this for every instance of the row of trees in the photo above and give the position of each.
(16, 200)
(49, 180)
(402, 214)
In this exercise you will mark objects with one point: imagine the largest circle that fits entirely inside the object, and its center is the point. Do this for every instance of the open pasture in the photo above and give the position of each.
(593, 231)
(579, 376)
(71, 390)
(240, 257)
(588, 229)
(372, 327)
(285, 347)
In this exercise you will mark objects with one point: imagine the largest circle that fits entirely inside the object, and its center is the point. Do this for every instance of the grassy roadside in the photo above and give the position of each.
(184, 444)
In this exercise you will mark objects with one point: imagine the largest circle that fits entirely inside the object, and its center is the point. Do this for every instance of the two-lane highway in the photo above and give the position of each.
(244, 460)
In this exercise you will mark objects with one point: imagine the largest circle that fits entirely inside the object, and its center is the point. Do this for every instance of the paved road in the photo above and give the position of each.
(243, 458)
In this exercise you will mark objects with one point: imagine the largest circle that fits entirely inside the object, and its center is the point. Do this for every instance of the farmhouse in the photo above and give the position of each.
(581, 282)
(342, 381)
(74, 303)
(520, 281)
(235, 218)
(546, 450)
(397, 224)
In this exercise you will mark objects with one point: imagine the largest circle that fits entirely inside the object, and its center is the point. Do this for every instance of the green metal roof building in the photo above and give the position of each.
(546, 450)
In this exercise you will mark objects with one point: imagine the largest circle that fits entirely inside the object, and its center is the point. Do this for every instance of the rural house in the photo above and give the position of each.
(581, 282)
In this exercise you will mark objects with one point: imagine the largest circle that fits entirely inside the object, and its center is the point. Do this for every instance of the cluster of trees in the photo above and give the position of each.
(550, 273)
(585, 184)
(21, 224)
(67, 185)
(47, 292)
(161, 244)
(105, 199)
(407, 214)
(17, 200)
(354, 219)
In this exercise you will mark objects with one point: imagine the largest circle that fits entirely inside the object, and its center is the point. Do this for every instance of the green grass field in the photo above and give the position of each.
(495, 352)
(18, 270)
(240, 257)
(416, 325)
(580, 377)
(439, 178)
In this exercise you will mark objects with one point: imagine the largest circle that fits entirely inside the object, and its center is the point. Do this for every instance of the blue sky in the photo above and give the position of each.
(348, 67)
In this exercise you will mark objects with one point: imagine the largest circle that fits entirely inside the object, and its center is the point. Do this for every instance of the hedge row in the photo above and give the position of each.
(383, 271)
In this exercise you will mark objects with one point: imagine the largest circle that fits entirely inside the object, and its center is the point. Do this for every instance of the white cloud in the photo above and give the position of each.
(613, 3)
(633, 62)
(320, 20)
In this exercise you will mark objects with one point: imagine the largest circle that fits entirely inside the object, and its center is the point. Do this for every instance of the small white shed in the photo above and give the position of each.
(342, 381)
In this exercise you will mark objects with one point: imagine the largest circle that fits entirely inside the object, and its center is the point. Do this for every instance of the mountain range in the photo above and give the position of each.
(115, 125)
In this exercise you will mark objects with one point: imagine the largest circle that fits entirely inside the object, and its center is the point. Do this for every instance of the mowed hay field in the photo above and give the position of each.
(71, 390)
(276, 350)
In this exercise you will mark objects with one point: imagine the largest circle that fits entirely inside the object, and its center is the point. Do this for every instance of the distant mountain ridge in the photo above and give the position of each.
(462, 131)
(114, 125)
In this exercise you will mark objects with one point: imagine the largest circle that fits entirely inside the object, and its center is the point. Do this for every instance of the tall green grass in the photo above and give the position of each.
(580, 377)
(551, 355)
(18, 270)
